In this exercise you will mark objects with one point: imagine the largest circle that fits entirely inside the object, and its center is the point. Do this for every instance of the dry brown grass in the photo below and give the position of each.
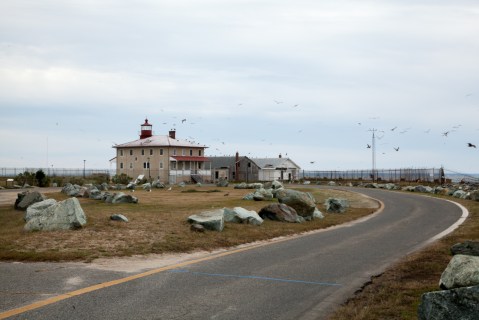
(157, 224)
(396, 294)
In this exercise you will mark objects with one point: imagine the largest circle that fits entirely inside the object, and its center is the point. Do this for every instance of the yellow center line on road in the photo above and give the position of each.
(64, 296)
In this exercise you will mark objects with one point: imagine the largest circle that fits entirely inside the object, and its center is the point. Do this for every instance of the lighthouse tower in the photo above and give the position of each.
(146, 131)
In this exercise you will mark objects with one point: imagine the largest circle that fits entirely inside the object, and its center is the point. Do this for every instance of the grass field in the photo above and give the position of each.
(157, 224)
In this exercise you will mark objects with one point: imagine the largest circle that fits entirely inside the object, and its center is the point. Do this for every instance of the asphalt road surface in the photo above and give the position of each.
(301, 278)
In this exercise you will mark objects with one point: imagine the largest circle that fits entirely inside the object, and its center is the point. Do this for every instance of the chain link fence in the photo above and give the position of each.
(387, 175)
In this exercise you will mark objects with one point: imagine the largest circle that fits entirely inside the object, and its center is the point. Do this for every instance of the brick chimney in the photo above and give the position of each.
(172, 134)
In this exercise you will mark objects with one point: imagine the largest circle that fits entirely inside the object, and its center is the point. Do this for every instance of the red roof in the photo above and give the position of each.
(190, 158)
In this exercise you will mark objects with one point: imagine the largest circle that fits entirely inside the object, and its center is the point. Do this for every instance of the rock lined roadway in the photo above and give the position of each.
(302, 278)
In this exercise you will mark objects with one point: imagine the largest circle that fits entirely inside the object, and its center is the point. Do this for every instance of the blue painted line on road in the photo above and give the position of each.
(253, 277)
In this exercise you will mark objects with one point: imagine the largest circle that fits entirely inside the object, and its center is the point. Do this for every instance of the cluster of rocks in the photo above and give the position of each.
(97, 193)
(262, 191)
(465, 191)
(42, 214)
(293, 206)
(215, 219)
(302, 200)
(459, 298)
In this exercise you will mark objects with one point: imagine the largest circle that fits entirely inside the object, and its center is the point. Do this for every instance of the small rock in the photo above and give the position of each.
(118, 217)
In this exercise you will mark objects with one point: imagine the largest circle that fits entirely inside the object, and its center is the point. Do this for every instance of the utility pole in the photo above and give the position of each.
(373, 149)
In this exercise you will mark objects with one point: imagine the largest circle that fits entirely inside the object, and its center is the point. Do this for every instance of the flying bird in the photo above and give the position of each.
(369, 146)
(445, 133)
(394, 128)
(296, 105)
(311, 162)
(278, 102)
(470, 145)
(397, 149)
(184, 120)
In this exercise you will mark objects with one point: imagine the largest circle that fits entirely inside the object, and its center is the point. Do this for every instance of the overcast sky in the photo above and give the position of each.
(307, 79)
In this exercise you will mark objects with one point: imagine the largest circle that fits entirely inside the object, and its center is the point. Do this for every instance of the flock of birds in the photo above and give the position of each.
(444, 134)
(218, 148)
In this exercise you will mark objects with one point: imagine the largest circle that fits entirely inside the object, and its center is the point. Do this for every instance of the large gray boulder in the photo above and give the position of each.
(70, 189)
(244, 185)
(146, 186)
(262, 194)
(222, 182)
(96, 194)
(120, 197)
(157, 184)
(474, 195)
(303, 202)
(64, 215)
(103, 187)
(211, 220)
(459, 194)
(462, 271)
(27, 198)
(336, 205)
(461, 303)
(470, 248)
(275, 185)
(83, 192)
(280, 212)
(241, 215)
(249, 196)
(424, 189)
(37, 208)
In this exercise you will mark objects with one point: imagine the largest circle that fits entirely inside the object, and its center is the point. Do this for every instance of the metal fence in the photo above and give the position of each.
(60, 172)
(389, 175)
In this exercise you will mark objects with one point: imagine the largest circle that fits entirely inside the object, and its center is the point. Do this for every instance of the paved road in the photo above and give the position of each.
(302, 278)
